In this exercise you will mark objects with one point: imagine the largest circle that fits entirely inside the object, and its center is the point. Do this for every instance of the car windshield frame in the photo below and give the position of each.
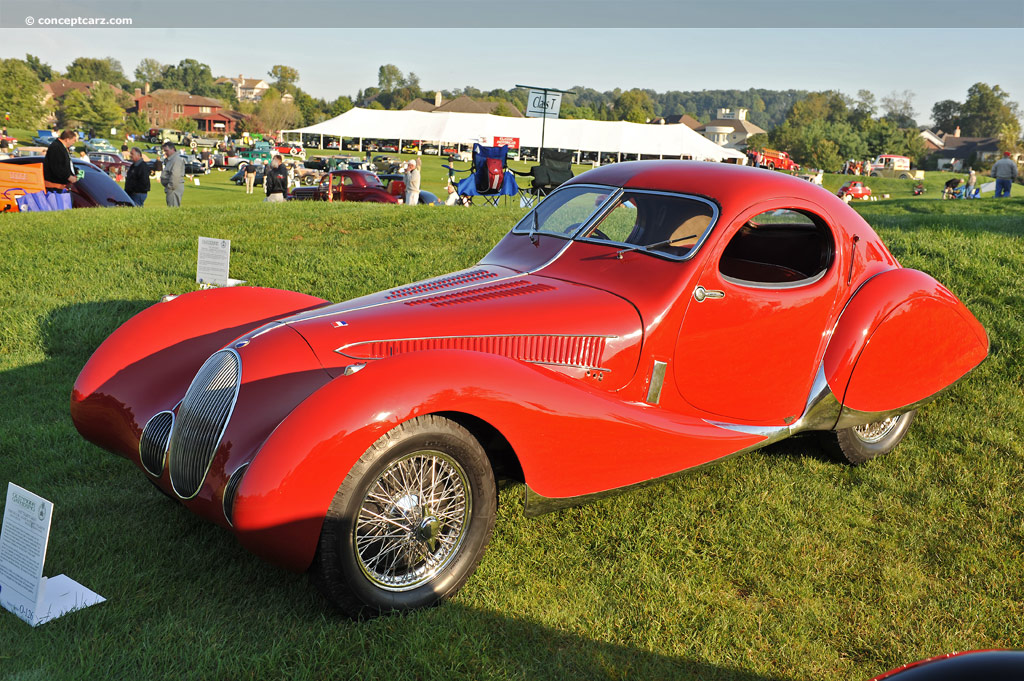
(608, 207)
(525, 225)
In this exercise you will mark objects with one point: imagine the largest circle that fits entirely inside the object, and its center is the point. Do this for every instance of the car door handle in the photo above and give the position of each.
(700, 293)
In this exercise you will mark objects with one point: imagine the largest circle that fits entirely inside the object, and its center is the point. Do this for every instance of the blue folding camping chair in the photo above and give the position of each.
(489, 177)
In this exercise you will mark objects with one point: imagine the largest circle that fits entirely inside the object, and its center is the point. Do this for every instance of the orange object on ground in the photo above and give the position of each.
(28, 178)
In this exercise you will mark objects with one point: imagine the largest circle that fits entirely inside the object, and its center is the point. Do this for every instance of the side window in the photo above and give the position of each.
(779, 248)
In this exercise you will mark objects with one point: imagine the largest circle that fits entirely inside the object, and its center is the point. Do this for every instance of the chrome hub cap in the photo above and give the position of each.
(412, 521)
(873, 432)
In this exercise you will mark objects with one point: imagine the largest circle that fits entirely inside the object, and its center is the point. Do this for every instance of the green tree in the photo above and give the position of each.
(88, 70)
(21, 93)
(757, 142)
(136, 123)
(104, 111)
(149, 71)
(340, 106)
(285, 77)
(44, 72)
(187, 125)
(375, 105)
(195, 78)
(987, 110)
(826, 156)
(273, 114)
(389, 77)
(899, 108)
(635, 106)
(946, 114)
(74, 110)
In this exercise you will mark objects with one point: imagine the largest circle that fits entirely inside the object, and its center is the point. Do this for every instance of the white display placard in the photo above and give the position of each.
(23, 539)
(213, 262)
(543, 104)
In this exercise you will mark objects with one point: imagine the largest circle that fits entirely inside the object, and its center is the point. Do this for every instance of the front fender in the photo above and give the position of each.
(571, 439)
(146, 365)
(902, 339)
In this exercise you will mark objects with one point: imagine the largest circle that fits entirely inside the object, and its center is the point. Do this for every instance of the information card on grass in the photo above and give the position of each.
(214, 260)
(23, 539)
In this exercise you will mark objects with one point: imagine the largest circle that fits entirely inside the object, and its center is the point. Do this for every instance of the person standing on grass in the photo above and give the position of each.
(275, 180)
(136, 181)
(412, 183)
(172, 177)
(250, 177)
(57, 167)
(1005, 172)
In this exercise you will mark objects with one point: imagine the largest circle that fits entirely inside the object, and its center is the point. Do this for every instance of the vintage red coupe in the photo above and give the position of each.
(346, 185)
(855, 190)
(644, 319)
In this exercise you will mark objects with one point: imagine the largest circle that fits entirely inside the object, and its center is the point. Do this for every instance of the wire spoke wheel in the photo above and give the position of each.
(412, 520)
(874, 432)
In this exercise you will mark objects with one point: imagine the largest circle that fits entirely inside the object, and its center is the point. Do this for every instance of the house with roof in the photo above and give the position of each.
(730, 129)
(246, 89)
(677, 119)
(954, 152)
(163, 107)
(461, 104)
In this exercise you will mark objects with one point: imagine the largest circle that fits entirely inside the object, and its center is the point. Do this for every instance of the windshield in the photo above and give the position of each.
(668, 224)
(565, 211)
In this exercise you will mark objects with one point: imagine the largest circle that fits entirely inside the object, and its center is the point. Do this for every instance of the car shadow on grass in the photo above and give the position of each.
(171, 574)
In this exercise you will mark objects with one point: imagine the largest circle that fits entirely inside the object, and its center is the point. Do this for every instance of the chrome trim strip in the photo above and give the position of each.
(235, 475)
(657, 380)
(227, 420)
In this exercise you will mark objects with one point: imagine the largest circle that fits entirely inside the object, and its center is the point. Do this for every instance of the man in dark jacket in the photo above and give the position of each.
(57, 168)
(136, 180)
(275, 180)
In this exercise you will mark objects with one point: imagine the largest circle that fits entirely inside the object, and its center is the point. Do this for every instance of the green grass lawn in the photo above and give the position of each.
(780, 564)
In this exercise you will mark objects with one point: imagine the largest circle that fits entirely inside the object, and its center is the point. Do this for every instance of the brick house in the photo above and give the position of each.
(163, 107)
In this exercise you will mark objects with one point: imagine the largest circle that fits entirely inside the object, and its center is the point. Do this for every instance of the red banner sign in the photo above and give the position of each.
(510, 142)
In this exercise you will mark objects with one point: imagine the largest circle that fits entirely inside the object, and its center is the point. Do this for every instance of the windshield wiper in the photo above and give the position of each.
(657, 244)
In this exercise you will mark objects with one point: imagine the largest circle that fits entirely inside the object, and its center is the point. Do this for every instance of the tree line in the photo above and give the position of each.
(820, 129)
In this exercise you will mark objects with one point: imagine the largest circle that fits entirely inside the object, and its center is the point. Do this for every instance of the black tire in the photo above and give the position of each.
(904, 176)
(346, 568)
(858, 445)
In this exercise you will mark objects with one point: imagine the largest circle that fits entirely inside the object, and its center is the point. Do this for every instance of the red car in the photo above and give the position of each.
(346, 185)
(112, 164)
(855, 190)
(644, 319)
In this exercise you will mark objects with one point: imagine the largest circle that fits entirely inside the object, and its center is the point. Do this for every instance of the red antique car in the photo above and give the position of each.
(644, 319)
(346, 185)
(855, 190)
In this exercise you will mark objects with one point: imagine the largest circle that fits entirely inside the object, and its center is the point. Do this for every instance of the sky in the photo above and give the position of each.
(935, 64)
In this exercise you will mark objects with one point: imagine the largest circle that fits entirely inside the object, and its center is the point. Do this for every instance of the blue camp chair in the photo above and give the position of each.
(489, 177)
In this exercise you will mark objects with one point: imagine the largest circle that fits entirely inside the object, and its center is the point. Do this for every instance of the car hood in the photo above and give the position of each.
(572, 328)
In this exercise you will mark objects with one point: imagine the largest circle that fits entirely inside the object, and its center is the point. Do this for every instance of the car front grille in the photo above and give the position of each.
(153, 445)
(202, 418)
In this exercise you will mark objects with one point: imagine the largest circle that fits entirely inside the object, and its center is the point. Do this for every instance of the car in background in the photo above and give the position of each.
(94, 187)
(389, 147)
(430, 149)
(855, 189)
(112, 164)
(44, 138)
(99, 144)
(395, 185)
(194, 165)
(161, 135)
(239, 177)
(893, 165)
(773, 160)
(346, 185)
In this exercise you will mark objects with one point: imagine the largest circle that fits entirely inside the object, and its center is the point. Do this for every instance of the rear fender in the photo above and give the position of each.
(902, 339)
(146, 365)
(570, 438)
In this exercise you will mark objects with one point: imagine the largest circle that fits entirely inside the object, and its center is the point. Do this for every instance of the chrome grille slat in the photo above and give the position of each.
(202, 419)
(154, 441)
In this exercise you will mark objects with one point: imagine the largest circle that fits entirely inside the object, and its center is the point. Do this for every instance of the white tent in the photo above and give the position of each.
(671, 141)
